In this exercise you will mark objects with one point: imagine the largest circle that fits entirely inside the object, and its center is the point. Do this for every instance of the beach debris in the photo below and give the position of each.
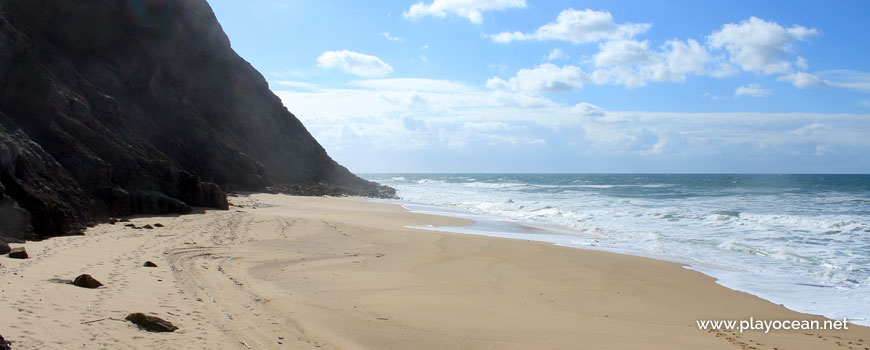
(158, 225)
(86, 281)
(102, 319)
(4, 345)
(148, 227)
(4, 248)
(18, 253)
(151, 323)
(149, 264)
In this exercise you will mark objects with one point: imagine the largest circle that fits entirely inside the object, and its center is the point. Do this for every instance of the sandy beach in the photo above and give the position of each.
(283, 272)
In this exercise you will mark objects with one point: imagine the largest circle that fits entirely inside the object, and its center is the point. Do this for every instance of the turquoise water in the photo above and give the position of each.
(799, 240)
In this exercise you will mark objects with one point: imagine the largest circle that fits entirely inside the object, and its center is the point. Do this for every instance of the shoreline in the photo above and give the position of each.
(287, 272)
(489, 225)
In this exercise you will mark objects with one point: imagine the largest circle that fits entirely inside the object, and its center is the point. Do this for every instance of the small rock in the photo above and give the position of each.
(4, 345)
(158, 225)
(4, 248)
(149, 264)
(18, 253)
(130, 225)
(151, 323)
(86, 281)
(148, 227)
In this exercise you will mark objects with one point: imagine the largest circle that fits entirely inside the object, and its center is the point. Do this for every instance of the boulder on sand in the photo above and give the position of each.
(86, 281)
(18, 253)
(151, 323)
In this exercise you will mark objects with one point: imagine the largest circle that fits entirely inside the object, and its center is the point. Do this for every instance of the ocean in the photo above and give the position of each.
(798, 240)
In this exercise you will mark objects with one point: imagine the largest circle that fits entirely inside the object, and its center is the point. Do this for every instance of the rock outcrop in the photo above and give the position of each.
(115, 108)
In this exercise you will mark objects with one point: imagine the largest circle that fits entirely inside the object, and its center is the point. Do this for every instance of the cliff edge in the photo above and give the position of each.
(122, 107)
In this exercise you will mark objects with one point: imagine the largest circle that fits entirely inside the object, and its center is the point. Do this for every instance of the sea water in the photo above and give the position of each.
(798, 240)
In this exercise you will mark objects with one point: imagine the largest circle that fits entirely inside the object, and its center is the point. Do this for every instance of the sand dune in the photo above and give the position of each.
(282, 272)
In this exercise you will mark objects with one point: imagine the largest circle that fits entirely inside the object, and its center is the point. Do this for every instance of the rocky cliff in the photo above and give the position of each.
(121, 107)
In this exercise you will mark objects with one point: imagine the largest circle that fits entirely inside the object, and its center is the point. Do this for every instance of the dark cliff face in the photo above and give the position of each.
(121, 107)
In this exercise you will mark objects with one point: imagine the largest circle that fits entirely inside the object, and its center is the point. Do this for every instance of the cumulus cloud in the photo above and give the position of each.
(633, 63)
(472, 10)
(577, 27)
(557, 54)
(751, 90)
(546, 77)
(355, 63)
(680, 58)
(803, 80)
(760, 46)
(623, 52)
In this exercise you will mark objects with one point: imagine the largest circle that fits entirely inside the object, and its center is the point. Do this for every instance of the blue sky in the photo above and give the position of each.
(569, 86)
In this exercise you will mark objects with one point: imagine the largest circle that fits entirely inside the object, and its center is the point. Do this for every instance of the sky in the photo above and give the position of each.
(569, 86)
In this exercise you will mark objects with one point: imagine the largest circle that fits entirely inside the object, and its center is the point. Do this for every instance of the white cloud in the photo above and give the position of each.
(301, 85)
(557, 54)
(760, 46)
(366, 132)
(355, 63)
(472, 10)
(417, 84)
(633, 63)
(846, 79)
(587, 110)
(410, 99)
(547, 77)
(577, 27)
(810, 129)
(680, 58)
(486, 126)
(822, 150)
(389, 37)
(751, 90)
(803, 80)
(801, 63)
(618, 75)
(520, 99)
(623, 52)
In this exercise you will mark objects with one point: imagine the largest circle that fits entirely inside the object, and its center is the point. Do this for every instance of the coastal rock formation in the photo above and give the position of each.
(115, 108)
(151, 323)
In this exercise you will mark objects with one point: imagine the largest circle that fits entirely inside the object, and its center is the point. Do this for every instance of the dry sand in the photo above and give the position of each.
(281, 272)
